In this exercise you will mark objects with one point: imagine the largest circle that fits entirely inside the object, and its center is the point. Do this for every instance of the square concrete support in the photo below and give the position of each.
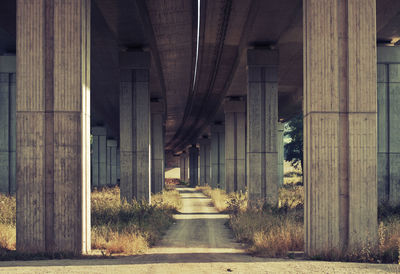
(99, 156)
(280, 150)
(157, 147)
(205, 171)
(235, 142)
(389, 125)
(194, 165)
(182, 166)
(118, 167)
(262, 116)
(135, 125)
(340, 126)
(112, 162)
(7, 124)
(187, 166)
(53, 126)
(218, 156)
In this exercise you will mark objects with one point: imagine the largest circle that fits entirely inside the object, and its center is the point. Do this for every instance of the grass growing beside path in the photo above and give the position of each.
(117, 227)
(273, 232)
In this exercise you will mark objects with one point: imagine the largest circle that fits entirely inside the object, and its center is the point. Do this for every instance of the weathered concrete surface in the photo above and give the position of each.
(262, 116)
(235, 145)
(194, 165)
(112, 162)
(198, 242)
(157, 147)
(340, 119)
(218, 156)
(280, 150)
(389, 125)
(53, 126)
(7, 124)
(182, 166)
(135, 126)
(205, 169)
(99, 156)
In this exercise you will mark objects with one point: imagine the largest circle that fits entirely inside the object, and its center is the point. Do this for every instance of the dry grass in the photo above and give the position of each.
(123, 228)
(218, 197)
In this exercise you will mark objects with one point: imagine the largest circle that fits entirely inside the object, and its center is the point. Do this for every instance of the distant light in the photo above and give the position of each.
(395, 41)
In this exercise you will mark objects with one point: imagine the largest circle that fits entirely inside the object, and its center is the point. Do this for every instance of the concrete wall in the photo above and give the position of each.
(7, 124)
(389, 125)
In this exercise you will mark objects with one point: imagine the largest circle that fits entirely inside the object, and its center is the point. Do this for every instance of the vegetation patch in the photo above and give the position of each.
(117, 227)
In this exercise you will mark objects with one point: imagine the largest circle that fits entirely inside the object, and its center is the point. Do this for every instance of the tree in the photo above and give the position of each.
(294, 146)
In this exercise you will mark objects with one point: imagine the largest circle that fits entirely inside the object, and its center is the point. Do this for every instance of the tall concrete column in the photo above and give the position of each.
(187, 166)
(235, 142)
(99, 156)
(53, 126)
(218, 156)
(112, 162)
(262, 116)
(135, 125)
(205, 171)
(118, 166)
(157, 147)
(182, 166)
(280, 150)
(340, 125)
(7, 124)
(194, 165)
(389, 125)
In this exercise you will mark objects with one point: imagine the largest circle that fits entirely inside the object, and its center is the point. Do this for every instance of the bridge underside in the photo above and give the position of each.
(101, 92)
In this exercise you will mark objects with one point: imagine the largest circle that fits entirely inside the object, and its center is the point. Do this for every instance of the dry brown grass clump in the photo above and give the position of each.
(7, 222)
(130, 228)
(218, 197)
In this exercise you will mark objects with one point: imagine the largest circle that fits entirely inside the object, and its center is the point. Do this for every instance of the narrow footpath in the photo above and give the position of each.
(198, 242)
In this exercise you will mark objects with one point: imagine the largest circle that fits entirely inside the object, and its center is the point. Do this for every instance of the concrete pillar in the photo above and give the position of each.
(205, 171)
(187, 166)
(235, 141)
(218, 156)
(194, 165)
(7, 124)
(112, 162)
(99, 156)
(340, 126)
(262, 116)
(135, 125)
(118, 166)
(53, 126)
(280, 150)
(157, 147)
(182, 166)
(389, 125)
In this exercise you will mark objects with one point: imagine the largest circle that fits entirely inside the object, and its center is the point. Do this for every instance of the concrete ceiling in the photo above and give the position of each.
(168, 30)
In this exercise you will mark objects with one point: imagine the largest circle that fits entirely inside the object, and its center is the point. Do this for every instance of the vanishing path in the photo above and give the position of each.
(198, 242)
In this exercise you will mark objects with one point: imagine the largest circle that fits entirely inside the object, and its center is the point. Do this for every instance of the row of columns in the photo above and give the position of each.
(340, 126)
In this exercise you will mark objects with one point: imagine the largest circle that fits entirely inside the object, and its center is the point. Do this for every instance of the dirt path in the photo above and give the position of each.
(198, 242)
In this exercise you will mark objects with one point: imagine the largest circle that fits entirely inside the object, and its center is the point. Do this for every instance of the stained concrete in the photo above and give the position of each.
(112, 162)
(340, 126)
(388, 125)
(235, 145)
(262, 116)
(280, 150)
(135, 126)
(205, 169)
(182, 166)
(157, 147)
(53, 126)
(218, 156)
(99, 156)
(194, 165)
(7, 124)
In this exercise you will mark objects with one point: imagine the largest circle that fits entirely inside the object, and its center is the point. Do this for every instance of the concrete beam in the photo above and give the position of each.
(389, 125)
(235, 142)
(262, 116)
(340, 126)
(157, 147)
(53, 126)
(7, 124)
(135, 126)
(218, 156)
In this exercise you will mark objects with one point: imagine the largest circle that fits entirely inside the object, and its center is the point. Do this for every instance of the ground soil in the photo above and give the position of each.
(199, 242)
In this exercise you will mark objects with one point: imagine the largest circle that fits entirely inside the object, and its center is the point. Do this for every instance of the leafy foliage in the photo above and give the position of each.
(294, 148)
